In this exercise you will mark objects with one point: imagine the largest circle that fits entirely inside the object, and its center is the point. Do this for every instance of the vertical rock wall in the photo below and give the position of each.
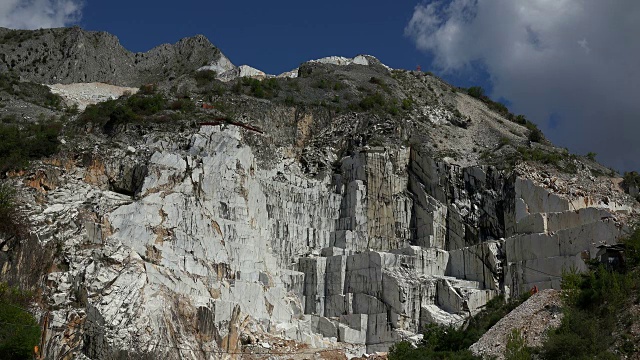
(212, 251)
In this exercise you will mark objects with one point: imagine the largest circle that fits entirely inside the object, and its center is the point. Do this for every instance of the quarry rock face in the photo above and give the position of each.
(294, 235)
(212, 252)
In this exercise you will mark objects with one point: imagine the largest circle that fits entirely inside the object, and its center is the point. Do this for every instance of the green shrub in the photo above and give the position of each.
(404, 351)
(538, 155)
(407, 103)
(237, 87)
(629, 180)
(132, 109)
(7, 207)
(20, 332)
(322, 84)
(476, 92)
(380, 83)
(535, 135)
(520, 119)
(372, 101)
(338, 85)
(499, 107)
(265, 89)
(591, 156)
(12, 223)
(504, 141)
(148, 89)
(146, 105)
(73, 110)
(185, 105)
(204, 77)
(20, 144)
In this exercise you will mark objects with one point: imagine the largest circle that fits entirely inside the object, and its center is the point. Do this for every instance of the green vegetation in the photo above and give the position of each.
(378, 103)
(148, 89)
(561, 160)
(138, 108)
(329, 84)
(16, 36)
(539, 155)
(183, 104)
(203, 77)
(516, 348)
(535, 135)
(591, 156)
(372, 101)
(10, 223)
(20, 332)
(21, 143)
(380, 83)
(477, 92)
(594, 314)
(504, 141)
(407, 104)
(265, 89)
(631, 179)
(31, 92)
(441, 342)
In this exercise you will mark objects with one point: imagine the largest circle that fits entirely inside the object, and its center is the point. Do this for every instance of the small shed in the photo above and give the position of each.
(612, 256)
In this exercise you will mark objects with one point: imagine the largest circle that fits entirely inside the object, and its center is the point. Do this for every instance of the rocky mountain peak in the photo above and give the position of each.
(69, 55)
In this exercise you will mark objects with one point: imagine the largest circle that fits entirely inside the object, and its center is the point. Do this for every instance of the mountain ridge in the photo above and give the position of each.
(67, 55)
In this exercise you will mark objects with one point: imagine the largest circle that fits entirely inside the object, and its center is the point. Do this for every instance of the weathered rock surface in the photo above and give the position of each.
(73, 55)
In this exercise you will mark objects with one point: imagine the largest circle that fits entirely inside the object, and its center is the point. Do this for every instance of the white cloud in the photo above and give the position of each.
(35, 14)
(574, 59)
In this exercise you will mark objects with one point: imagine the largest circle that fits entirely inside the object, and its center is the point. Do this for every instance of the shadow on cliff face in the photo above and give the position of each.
(129, 179)
(23, 259)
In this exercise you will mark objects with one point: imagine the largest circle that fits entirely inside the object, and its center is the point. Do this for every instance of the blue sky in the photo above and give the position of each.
(571, 66)
(273, 38)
